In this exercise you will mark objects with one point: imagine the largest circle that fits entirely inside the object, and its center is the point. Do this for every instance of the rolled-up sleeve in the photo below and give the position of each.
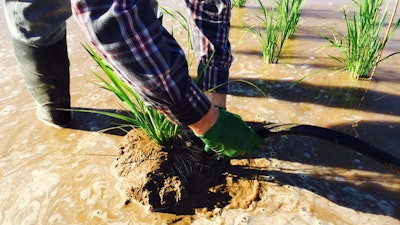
(145, 55)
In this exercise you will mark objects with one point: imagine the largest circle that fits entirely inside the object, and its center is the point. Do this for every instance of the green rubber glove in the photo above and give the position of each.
(230, 136)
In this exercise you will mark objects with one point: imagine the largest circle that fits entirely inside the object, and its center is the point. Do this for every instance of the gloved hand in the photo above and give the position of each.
(230, 136)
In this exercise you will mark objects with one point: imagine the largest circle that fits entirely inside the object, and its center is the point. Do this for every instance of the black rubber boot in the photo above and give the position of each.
(46, 74)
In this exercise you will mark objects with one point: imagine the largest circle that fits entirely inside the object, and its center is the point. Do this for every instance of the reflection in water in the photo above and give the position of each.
(65, 176)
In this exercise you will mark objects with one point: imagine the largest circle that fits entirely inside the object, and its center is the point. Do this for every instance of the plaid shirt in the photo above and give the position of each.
(150, 60)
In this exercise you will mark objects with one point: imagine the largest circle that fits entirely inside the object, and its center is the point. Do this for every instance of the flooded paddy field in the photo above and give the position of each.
(66, 176)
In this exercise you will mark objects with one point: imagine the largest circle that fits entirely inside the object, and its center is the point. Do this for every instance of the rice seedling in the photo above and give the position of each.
(155, 124)
(363, 43)
(238, 3)
(279, 23)
(184, 24)
(386, 37)
(180, 18)
(270, 36)
(290, 11)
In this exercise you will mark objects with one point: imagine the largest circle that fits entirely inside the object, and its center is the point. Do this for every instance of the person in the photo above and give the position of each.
(144, 54)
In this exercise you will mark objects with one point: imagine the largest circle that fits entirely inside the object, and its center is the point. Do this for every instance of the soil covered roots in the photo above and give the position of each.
(173, 179)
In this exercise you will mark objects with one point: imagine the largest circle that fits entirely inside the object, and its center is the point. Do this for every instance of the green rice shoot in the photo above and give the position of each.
(290, 11)
(278, 24)
(155, 124)
(184, 24)
(238, 3)
(361, 46)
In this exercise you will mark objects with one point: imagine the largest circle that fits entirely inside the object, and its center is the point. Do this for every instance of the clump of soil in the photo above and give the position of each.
(282, 181)
(174, 179)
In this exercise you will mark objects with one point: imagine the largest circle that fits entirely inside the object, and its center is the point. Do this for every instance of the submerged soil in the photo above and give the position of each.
(68, 176)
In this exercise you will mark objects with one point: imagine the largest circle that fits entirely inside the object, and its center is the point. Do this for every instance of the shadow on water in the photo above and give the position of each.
(338, 97)
(331, 171)
(97, 122)
(366, 197)
(381, 134)
(335, 172)
(313, 150)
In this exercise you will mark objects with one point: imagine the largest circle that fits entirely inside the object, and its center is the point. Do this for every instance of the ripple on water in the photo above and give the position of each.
(43, 182)
(8, 110)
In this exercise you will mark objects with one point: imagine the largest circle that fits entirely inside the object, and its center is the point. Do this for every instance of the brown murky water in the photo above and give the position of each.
(65, 176)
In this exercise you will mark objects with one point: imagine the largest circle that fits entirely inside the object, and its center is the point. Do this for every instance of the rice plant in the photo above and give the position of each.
(184, 24)
(269, 35)
(279, 23)
(180, 18)
(238, 3)
(290, 11)
(363, 43)
(155, 124)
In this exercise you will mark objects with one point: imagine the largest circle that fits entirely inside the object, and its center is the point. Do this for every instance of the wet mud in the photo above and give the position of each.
(68, 176)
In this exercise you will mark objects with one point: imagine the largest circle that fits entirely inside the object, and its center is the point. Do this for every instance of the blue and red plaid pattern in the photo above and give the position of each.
(210, 24)
(128, 34)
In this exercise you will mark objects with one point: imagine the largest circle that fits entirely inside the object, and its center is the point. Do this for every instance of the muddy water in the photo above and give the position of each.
(65, 176)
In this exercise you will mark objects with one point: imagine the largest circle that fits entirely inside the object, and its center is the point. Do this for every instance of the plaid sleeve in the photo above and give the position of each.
(210, 24)
(144, 54)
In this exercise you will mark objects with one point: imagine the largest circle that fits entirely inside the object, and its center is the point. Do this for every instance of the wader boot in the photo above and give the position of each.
(45, 70)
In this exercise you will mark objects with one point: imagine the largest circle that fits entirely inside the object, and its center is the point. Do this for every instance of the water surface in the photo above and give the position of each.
(66, 176)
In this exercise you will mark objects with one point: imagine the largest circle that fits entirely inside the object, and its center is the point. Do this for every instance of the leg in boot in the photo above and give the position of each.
(37, 28)
(46, 73)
